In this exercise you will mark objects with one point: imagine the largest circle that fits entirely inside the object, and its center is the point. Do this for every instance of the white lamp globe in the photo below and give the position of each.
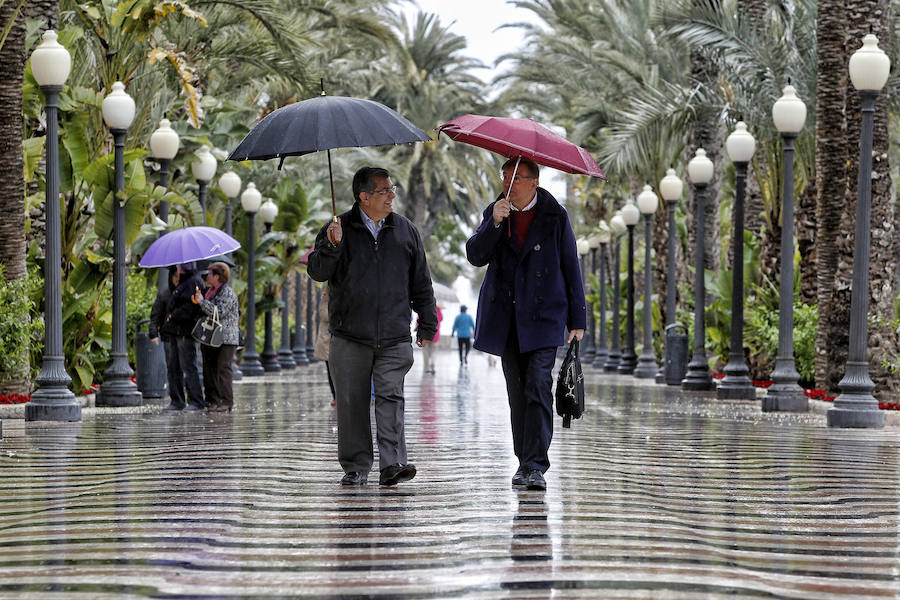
(647, 201)
(789, 112)
(164, 142)
(630, 213)
(740, 145)
(869, 66)
(204, 167)
(617, 224)
(603, 232)
(268, 211)
(118, 108)
(251, 198)
(700, 168)
(51, 63)
(594, 240)
(582, 246)
(230, 184)
(671, 186)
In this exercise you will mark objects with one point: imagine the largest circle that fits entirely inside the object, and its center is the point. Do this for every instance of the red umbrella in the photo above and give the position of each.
(522, 137)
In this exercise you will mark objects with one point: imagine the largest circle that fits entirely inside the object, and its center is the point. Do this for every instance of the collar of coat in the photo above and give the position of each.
(547, 212)
(355, 217)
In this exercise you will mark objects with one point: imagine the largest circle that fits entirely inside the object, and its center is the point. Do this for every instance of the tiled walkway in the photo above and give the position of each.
(654, 494)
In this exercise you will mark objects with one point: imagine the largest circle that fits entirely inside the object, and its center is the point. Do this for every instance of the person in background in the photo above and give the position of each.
(158, 314)
(374, 262)
(182, 315)
(429, 346)
(323, 340)
(217, 362)
(463, 328)
(532, 293)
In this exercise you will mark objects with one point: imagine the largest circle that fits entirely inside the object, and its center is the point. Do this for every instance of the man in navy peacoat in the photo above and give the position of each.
(532, 293)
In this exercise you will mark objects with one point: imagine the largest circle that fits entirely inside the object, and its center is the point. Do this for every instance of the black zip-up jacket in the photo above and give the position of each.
(159, 313)
(182, 312)
(374, 283)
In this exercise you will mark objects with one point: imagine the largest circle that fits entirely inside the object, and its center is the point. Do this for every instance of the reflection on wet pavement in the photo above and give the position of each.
(654, 494)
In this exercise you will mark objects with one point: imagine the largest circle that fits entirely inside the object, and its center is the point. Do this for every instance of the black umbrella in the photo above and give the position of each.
(323, 123)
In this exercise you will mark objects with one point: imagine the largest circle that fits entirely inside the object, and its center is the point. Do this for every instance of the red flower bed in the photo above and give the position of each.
(718, 375)
(14, 399)
(762, 384)
(818, 395)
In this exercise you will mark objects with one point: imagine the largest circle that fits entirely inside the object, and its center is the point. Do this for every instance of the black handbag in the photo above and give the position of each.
(208, 331)
(570, 387)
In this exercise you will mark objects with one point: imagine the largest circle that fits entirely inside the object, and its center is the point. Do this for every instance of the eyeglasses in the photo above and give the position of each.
(505, 178)
(385, 191)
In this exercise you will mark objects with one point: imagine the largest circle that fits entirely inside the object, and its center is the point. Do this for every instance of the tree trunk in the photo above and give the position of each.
(832, 155)
(805, 229)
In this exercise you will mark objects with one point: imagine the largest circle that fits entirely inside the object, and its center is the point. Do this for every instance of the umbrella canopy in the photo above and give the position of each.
(188, 245)
(522, 137)
(323, 123)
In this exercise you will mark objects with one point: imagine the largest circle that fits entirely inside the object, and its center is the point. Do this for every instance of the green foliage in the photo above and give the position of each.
(21, 326)
(141, 286)
(761, 334)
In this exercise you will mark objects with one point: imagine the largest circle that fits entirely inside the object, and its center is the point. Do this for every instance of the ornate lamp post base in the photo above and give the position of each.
(737, 384)
(53, 404)
(119, 391)
(646, 367)
(856, 406)
(697, 378)
(785, 394)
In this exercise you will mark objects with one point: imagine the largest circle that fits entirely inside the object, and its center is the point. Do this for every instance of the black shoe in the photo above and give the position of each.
(195, 407)
(354, 478)
(174, 407)
(395, 474)
(520, 478)
(536, 481)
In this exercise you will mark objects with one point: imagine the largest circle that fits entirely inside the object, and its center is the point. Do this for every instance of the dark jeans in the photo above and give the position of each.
(217, 374)
(181, 367)
(465, 344)
(529, 383)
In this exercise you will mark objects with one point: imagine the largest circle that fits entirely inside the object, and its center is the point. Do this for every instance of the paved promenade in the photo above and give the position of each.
(654, 494)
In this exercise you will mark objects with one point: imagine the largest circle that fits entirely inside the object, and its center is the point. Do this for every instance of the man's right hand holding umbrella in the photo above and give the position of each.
(334, 231)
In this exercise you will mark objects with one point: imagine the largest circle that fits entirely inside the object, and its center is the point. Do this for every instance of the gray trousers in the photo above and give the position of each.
(355, 369)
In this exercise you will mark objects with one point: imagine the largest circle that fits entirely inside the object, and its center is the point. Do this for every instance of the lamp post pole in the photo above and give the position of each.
(614, 358)
(299, 347)
(785, 394)
(250, 364)
(230, 184)
(118, 389)
(647, 367)
(631, 215)
(737, 385)
(602, 349)
(582, 247)
(855, 406)
(310, 348)
(164, 143)
(698, 378)
(269, 358)
(204, 169)
(52, 401)
(671, 188)
(285, 355)
(589, 351)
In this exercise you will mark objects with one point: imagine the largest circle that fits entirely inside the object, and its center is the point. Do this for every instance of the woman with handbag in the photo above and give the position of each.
(219, 302)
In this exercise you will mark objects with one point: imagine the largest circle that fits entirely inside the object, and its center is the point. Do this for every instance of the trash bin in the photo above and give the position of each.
(676, 358)
(150, 359)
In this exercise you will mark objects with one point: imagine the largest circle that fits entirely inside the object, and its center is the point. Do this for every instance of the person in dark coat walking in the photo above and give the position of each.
(182, 315)
(158, 314)
(374, 263)
(531, 295)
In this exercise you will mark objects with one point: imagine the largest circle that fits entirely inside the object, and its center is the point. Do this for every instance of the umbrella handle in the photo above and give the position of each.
(508, 190)
(331, 181)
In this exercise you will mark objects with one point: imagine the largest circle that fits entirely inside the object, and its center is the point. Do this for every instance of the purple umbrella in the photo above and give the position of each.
(187, 245)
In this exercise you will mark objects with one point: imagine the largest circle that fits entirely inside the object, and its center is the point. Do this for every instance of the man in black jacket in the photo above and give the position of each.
(374, 263)
(182, 315)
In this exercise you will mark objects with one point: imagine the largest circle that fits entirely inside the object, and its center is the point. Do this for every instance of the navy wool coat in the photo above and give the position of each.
(540, 283)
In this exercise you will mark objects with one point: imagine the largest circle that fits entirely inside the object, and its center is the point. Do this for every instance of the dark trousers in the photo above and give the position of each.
(181, 368)
(217, 374)
(465, 344)
(355, 369)
(529, 383)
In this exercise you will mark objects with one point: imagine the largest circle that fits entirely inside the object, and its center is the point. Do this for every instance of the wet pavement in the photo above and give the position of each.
(654, 494)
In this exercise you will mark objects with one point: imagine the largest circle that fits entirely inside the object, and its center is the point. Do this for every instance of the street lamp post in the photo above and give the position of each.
(204, 169)
(785, 394)
(164, 144)
(856, 406)
(697, 378)
(670, 187)
(267, 212)
(250, 365)
(737, 385)
(285, 354)
(118, 389)
(52, 401)
(603, 237)
(631, 215)
(647, 367)
(590, 347)
(230, 184)
(614, 358)
(310, 347)
(299, 347)
(582, 247)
